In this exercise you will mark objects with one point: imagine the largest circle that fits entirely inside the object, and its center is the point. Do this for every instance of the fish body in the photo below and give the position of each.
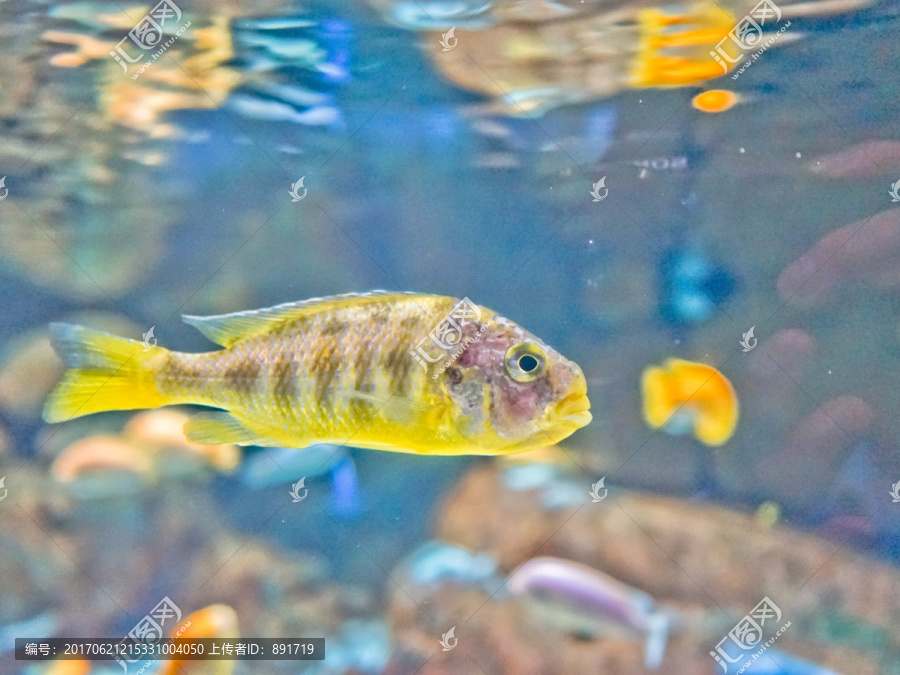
(386, 371)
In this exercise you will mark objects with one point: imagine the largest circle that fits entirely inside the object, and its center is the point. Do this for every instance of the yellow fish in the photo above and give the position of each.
(387, 371)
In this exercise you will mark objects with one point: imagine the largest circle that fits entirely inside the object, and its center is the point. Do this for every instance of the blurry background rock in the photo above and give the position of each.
(692, 555)
(868, 250)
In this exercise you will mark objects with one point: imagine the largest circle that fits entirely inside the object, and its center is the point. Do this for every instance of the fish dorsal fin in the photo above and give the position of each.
(226, 329)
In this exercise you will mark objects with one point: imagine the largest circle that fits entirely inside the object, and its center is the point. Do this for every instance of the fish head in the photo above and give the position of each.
(511, 392)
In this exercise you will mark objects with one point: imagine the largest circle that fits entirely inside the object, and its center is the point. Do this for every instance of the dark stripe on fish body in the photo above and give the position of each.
(400, 381)
(191, 373)
(333, 327)
(410, 324)
(242, 375)
(177, 370)
(327, 361)
(283, 378)
(381, 316)
(395, 364)
(364, 381)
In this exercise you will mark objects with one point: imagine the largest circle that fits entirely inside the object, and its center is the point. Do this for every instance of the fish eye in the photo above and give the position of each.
(525, 362)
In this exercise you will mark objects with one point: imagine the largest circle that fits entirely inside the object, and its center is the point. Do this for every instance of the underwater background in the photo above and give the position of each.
(631, 182)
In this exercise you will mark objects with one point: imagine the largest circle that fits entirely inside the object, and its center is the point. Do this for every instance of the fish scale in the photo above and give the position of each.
(306, 371)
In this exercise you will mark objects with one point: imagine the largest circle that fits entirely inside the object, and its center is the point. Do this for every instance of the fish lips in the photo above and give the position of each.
(573, 411)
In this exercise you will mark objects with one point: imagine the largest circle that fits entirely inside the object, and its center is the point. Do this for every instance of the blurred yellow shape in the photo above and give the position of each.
(215, 621)
(89, 48)
(69, 667)
(767, 515)
(656, 66)
(684, 392)
(715, 100)
(191, 75)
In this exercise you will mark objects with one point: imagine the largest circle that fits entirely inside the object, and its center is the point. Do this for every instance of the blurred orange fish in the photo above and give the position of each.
(69, 667)
(215, 621)
(716, 100)
(684, 395)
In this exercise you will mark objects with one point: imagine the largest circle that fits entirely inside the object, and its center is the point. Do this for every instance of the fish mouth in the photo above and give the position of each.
(573, 410)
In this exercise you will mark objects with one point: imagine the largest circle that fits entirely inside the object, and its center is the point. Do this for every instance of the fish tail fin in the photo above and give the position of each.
(106, 372)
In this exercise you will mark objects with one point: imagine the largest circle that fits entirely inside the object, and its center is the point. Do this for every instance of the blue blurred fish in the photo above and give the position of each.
(345, 499)
(256, 104)
(317, 51)
(691, 286)
(437, 563)
(436, 14)
(773, 662)
(274, 466)
(295, 66)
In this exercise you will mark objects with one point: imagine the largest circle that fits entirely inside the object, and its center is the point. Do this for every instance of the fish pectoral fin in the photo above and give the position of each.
(399, 409)
(221, 427)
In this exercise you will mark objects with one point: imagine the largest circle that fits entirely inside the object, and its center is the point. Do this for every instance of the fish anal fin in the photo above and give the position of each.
(221, 427)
